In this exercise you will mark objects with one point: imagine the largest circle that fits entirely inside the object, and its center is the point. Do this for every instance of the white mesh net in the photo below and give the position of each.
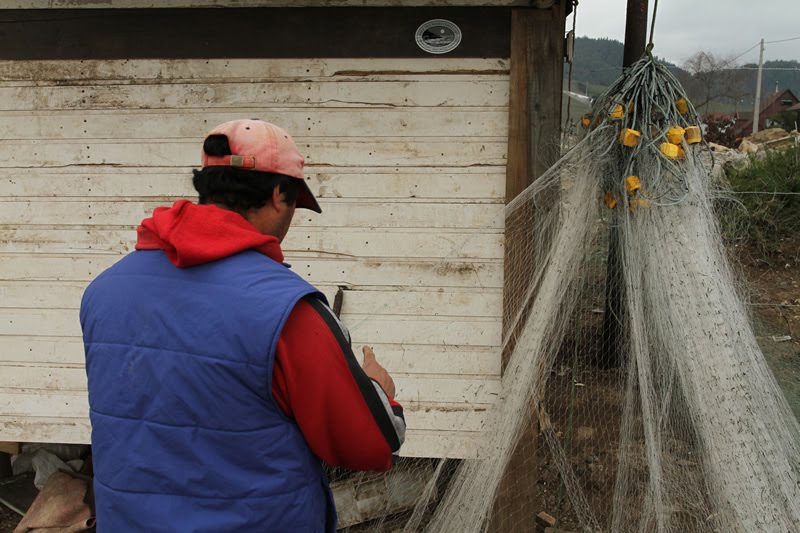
(635, 396)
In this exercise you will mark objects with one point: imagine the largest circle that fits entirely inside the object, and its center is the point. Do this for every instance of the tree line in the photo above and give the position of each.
(713, 82)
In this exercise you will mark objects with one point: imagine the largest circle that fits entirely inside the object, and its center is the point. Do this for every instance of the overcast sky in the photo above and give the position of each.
(725, 27)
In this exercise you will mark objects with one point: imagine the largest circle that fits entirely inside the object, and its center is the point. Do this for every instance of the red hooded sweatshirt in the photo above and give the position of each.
(313, 380)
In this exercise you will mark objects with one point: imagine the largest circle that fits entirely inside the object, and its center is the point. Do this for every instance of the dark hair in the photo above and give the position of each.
(235, 188)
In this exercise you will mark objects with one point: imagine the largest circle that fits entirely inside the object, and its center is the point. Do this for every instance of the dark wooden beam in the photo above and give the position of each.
(536, 83)
(612, 354)
(166, 33)
(635, 31)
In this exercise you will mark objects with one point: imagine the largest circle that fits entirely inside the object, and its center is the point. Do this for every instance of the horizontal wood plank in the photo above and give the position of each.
(49, 391)
(312, 122)
(388, 328)
(312, 94)
(93, 4)
(478, 183)
(91, 71)
(21, 384)
(77, 430)
(33, 350)
(41, 294)
(453, 360)
(318, 152)
(357, 299)
(400, 358)
(450, 444)
(36, 402)
(55, 429)
(297, 32)
(335, 270)
(337, 213)
(57, 267)
(459, 331)
(305, 242)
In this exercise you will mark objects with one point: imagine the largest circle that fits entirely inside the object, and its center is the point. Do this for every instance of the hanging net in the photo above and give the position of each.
(634, 395)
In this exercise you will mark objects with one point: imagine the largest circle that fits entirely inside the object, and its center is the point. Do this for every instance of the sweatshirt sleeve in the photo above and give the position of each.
(346, 418)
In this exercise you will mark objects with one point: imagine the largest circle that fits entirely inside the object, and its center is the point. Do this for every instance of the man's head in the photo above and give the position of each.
(254, 168)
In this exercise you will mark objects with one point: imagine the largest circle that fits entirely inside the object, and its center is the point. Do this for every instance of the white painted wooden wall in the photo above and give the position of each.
(128, 4)
(406, 156)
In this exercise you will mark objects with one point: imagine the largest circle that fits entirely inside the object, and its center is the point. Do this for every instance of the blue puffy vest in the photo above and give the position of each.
(186, 436)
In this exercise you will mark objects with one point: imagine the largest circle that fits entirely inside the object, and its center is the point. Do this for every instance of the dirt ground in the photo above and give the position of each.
(8, 519)
(586, 419)
(774, 284)
(774, 291)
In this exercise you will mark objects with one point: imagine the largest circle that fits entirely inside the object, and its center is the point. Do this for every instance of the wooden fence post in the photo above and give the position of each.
(535, 93)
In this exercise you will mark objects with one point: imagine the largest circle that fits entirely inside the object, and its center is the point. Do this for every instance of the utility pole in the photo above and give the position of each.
(635, 32)
(613, 333)
(757, 105)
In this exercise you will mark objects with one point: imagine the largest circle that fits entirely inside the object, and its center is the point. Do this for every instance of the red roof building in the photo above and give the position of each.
(774, 105)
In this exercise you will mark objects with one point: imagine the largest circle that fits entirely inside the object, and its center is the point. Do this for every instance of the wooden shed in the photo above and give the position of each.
(419, 119)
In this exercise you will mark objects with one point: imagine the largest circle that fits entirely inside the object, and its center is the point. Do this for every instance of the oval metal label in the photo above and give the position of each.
(438, 36)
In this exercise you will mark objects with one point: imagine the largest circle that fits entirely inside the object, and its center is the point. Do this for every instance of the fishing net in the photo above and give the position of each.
(634, 395)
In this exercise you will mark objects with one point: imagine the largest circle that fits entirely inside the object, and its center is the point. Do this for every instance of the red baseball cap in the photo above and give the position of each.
(259, 145)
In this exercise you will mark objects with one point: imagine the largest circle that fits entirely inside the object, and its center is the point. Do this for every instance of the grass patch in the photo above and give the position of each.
(768, 216)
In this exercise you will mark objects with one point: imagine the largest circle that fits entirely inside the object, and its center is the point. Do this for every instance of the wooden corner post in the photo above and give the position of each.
(535, 93)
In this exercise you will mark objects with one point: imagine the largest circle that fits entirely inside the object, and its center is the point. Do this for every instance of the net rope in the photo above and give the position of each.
(678, 424)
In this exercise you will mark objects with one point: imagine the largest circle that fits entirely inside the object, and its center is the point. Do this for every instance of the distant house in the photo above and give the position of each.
(773, 106)
(795, 115)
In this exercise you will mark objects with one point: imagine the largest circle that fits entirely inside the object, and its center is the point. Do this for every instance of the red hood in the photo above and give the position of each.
(192, 234)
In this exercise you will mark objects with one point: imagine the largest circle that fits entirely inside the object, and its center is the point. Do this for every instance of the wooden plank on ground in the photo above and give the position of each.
(11, 448)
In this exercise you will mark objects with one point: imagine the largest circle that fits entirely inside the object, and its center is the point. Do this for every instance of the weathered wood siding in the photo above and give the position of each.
(407, 158)
(94, 4)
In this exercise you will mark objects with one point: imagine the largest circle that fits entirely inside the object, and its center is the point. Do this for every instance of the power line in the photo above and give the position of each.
(791, 69)
(783, 40)
(740, 55)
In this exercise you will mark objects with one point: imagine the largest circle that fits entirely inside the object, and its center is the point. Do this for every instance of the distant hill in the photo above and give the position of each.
(786, 79)
(598, 62)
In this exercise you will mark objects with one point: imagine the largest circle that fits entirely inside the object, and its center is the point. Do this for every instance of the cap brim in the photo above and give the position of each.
(305, 198)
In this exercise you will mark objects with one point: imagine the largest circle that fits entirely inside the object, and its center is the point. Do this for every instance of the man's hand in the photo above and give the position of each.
(375, 371)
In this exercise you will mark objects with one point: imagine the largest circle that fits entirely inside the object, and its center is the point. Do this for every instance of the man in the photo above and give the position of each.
(218, 378)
